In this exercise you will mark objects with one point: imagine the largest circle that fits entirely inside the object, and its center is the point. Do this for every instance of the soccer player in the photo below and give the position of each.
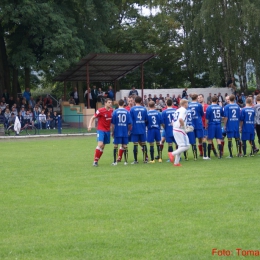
(180, 136)
(167, 119)
(191, 137)
(104, 116)
(130, 104)
(154, 121)
(121, 125)
(231, 124)
(197, 114)
(214, 115)
(247, 127)
(257, 117)
(139, 118)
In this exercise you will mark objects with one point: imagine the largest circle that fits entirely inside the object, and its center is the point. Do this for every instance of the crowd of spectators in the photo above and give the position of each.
(37, 112)
(160, 101)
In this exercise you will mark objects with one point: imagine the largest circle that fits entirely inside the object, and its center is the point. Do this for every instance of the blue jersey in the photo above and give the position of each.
(248, 118)
(121, 119)
(232, 113)
(154, 119)
(189, 117)
(197, 114)
(167, 117)
(214, 114)
(139, 119)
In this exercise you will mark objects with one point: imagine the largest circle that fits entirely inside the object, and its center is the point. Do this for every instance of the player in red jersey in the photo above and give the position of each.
(104, 116)
(203, 146)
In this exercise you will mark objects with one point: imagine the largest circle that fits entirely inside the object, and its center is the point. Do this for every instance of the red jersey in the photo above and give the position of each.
(128, 108)
(205, 106)
(104, 118)
(172, 107)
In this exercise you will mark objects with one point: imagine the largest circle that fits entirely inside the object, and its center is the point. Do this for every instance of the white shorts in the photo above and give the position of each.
(181, 137)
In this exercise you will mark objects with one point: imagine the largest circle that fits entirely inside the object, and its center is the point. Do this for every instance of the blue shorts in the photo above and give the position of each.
(192, 138)
(153, 134)
(205, 133)
(163, 133)
(120, 140)
(233, 134)
(135, 138)
(170, 139)
(199, 133)
(214, 131)
(248, 136)
(103, 136)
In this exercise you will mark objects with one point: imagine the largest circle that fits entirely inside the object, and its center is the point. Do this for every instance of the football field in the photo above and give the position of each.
(55, 205)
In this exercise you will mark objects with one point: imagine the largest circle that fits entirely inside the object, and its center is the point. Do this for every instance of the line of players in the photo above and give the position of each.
(130, 123)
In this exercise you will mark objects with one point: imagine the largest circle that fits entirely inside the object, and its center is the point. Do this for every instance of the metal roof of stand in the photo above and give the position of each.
(103, 67)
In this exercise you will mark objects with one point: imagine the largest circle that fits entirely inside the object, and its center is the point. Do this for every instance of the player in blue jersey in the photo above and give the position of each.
(214, 115)
(121, 125)
(139, 118)
(167, 117)
(231, 124)
(191, 136)
(197, 114)
(154, 122)
(247, 126)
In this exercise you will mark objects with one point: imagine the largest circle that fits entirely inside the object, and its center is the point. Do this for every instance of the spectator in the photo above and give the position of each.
(14, 110)
(243, 98)
(133, 92)
(2, 118)
(75, 96)
(100, 97)
(154, 98)
(48, 101)
(42, 119)
(2, 106)
(7, 115)
(175, 101)
(32, 102)
(72, 101)
(86, 94)
(110, 93)
(48, 120)
(209, 99)
(220, 99)
(54, 121)
(18, 104)
(27, 94)
(94, 94)
(240, 101)
(145, 101)
(125, 101)
(158, 105)
(184, 93)
(6, 96)
(11, 101)
(23, 112)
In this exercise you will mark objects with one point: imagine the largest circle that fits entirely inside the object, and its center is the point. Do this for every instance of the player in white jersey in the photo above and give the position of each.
(181, 138)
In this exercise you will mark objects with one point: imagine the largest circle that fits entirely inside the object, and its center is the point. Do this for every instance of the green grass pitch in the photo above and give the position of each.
(55, 205)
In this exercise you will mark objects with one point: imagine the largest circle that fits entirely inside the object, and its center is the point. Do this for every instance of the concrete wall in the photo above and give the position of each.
(204, 91)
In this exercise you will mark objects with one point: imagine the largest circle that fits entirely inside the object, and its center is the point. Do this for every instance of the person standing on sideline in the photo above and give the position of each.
(121, 126)
(184, 93)
(180, 136)
(94, 94)
(257, 117)
(104, 116)
(133, 92)
(214, 116)
(27, 94)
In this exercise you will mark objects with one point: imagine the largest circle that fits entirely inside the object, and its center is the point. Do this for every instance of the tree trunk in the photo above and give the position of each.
(27, 74)
(4, 66)
(15, 83)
